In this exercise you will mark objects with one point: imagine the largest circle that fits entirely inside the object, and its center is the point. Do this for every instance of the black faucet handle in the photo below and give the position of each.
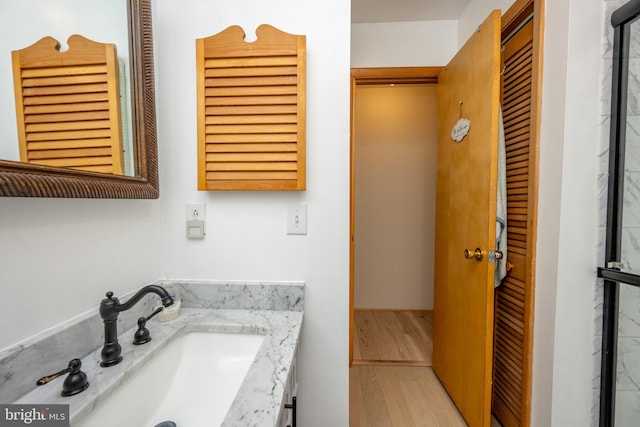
(142, 335)
(48, 378)
(75, 383)
(156, 311)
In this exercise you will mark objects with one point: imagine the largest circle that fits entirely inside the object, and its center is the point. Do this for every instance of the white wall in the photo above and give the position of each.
(396, 137)
(554, 106)
(246, 235)
(58, 257)
(577, 264)
(475, 13)
(403, 44)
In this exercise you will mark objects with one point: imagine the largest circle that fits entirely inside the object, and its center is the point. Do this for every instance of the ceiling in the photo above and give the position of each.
(405, 10)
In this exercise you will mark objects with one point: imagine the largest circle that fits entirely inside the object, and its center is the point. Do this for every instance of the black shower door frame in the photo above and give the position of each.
(611, 272)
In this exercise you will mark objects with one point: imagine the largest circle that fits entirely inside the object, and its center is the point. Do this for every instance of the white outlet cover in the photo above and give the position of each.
(195, 212)
(297, 218)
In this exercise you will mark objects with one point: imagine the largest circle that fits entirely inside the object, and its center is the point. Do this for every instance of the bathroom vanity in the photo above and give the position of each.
(264, 395)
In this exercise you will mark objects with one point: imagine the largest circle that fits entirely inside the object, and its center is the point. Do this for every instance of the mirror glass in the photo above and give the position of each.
(24, 22)
(125, 24)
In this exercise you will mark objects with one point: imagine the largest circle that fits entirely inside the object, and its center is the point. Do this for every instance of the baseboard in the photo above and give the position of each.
(416, 310)
(365, 362)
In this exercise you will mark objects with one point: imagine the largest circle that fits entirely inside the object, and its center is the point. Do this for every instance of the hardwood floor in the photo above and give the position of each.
(389, 337)
(391, 382)
(399, 396)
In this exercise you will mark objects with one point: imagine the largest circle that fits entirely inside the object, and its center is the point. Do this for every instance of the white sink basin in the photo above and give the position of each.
(192, 382)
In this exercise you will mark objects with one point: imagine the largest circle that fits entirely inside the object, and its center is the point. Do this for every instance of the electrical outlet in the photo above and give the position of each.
(196, 218)
(195, 212)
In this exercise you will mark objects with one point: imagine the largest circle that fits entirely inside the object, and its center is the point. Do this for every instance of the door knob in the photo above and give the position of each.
(478, 254)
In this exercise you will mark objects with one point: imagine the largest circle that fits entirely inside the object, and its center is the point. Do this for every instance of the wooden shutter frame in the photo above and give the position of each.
(268, 151)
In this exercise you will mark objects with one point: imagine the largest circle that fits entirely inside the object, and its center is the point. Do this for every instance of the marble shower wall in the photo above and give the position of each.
(628, 368)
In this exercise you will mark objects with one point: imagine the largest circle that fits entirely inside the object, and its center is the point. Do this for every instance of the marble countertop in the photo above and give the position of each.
(260, 397)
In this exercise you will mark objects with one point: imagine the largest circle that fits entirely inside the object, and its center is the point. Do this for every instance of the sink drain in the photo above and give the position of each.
(166, 424)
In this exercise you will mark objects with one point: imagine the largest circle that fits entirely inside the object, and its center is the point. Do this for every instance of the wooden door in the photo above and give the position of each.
(469, 87)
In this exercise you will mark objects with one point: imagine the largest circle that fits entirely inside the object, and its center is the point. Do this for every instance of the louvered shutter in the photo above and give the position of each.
(251, 111)
(68, 105)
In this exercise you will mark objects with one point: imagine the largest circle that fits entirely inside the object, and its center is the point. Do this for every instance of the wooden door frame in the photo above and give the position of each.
(374, 76)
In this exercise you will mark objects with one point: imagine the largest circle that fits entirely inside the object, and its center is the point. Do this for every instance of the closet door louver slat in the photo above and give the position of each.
(251, 111)
(511, 296)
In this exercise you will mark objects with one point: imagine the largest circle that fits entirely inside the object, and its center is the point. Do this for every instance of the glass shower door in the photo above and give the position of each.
(620, 373)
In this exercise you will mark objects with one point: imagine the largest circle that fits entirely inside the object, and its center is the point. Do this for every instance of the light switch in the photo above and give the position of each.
(195, 229)
(297, 219)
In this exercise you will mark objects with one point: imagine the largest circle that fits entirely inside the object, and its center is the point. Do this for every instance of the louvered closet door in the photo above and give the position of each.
(513, 297)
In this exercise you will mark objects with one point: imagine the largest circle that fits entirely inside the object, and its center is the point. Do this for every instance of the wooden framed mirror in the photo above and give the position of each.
(29, 180)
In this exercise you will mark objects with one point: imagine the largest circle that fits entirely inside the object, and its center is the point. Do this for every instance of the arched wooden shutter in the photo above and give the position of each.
(68, 105)
(251, 110)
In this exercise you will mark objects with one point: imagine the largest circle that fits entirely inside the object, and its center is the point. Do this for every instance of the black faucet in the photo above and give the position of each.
(110, 307)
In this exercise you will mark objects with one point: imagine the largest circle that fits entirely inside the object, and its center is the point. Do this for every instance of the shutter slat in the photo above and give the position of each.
(251, 71)
(219, 158)
(251, 148)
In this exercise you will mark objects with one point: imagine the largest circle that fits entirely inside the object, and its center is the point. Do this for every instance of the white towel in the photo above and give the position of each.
(501, 207)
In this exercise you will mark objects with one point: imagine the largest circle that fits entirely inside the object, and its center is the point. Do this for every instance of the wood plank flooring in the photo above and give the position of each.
(390, 337)
(391, 383)
(399, 396)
